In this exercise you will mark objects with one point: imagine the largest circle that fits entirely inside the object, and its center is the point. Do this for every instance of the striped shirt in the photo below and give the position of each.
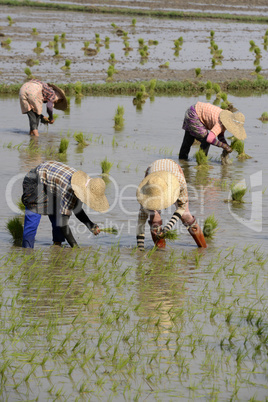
(166, 165)
(57, 177)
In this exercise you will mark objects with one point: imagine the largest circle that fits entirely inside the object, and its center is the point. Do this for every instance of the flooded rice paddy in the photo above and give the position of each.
(231, 37)
(107, 322)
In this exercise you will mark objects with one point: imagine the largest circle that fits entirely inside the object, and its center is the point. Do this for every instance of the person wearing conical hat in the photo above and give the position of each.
(57, 190)
(33, 94)
(207, 123)
(164, 184)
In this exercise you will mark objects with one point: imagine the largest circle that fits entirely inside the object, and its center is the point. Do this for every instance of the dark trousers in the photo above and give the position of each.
(31, 223)
(188, 141)
(34, 119)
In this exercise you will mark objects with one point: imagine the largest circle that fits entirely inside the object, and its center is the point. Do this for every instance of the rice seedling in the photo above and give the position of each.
(165, 65)
(237, 193)
(38, 48)
(133, 22)
(86, 44)
(56, 39)
(64, 143)
(63, 37)
(212, 33)
(114, 25)
(10, 20)
(111, 230)
(201, 158)
(66, 65)
(79, 138)
(34, 31)
(32, 62)
(112, 59)
(15, 228)
(171, 235)
(239, 146)
(198, 72)
(6, 43)
(114, 142)
(264, 117)
(119, 118)
(110, 73)
(141, 42)
(106, 166)
(28, 72)
(210, 226)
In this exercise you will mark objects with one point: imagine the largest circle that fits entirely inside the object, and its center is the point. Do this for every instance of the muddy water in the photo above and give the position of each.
(44, 312)
(148, 134)
(233, 38)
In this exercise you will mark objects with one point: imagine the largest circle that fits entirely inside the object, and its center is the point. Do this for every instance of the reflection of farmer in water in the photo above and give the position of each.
(32, 96)
(57, 190)
(164, 184)
(207, 123)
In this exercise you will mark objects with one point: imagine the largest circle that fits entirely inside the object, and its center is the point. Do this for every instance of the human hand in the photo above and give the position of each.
(95, 230)
(51, 121)
(227, 150)
(158, 232)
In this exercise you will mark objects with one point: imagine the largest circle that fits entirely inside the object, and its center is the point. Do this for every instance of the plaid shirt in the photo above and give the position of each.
(57, 177)
(209, 115)
(47, 92)
(166, 165)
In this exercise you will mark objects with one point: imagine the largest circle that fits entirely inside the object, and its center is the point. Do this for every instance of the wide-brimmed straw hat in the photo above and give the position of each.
(158, 190)
(89, 190)
(62, 103)
(234, 123)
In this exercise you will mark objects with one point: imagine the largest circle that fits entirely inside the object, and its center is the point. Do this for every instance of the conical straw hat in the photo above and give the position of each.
(62, 103)
(158, 190)
(89, 190)
(234, 123)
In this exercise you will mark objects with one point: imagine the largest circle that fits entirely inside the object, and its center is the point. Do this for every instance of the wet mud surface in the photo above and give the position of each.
(232, 38)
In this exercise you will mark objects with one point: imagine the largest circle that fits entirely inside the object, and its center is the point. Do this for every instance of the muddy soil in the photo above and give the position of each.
(233, 38)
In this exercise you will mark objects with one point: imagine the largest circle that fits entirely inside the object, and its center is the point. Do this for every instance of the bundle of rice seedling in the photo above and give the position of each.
(238, 146)
(210, 226)
(106, 166)
(171, 235)
(238, 191)
(64, 143)
(201, 158)
(79, 138)
(15, 228)
(111, 230)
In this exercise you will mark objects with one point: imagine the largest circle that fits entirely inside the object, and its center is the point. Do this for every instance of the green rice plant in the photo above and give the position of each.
(111, 230)
(6, 43)
(28, 72)
(152, 42)
(210, 226)
(38, 48)
(239, 146)
(165, 65)
(106, 166)
(201, 158)
(257, 52)
(152, 85)
(56, 38)
(112, 58)
(252, 45)
(237, 192)
(198, 72)
(113, 25)
(63, 37)
(264, 117)
(15, 228)
(119, 118)
(133, 22)
(64, 143)
(114, 142)
(170, 235)
(97, 41)
(141, 42)
(86, 44)
(258, 69)
(10, 20)
(56, 52)
(216, 88)
(110, 73)
(107, 40)
(34, 31)
(66, 65)
(79, 138)
(212, 33)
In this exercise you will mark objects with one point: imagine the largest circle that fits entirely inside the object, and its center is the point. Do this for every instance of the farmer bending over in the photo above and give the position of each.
(32, 96)
(57, 190)
(207, 123)
(164, 185)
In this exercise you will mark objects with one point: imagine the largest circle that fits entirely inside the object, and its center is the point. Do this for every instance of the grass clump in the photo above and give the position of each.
(119, 118)
(106, 166)
(15, 228)
(66, 65)
(210, 226)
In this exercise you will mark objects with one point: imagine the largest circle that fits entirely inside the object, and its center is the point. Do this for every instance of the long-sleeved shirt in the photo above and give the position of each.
(33, 94)
(203, 122)
(166, 165)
